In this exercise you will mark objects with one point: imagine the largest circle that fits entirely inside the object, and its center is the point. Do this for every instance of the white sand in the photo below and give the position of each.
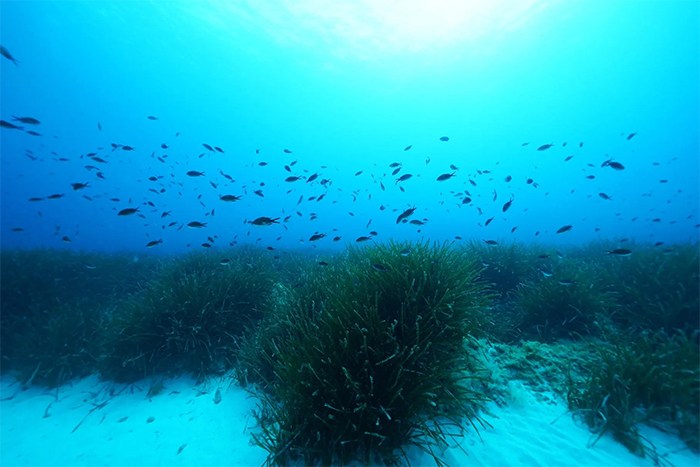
(220, 434)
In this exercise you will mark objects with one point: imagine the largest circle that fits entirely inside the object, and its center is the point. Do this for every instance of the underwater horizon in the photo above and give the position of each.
(371, 230)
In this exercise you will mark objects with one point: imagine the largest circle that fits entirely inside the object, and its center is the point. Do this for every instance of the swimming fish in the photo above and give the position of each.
(6, 53)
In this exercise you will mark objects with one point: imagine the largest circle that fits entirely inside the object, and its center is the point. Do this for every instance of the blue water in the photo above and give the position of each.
(346, 86)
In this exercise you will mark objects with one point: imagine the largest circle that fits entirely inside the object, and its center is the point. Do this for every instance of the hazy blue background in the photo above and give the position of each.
(348, 85)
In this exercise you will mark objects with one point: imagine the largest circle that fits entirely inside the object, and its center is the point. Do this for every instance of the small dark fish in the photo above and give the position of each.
(286, 151)
(616, 166)
(79, 186)
(259, 193)
(6, 53)
(631, 135)
(568, 158)
(4, 124)
(444, 138)
(507, 205)
(380, 267)
(466, 200)
(566, 228)
(417, 222)
(363, 239)
(491, 242)
(619, 252)
(219, 149)
(127, 211)
(19, 229)
(403, 178)
(316, 237)
(544, 147)
(323, 263)
(56, 196)
(206, 245)
(154, 243)
(262, 164)
(65, 240)
(35, 199)
(33, 133)
(164, 146)
(196, 225)
(229, 198)
(508, 178)
(194, 173)
(444, 177)
(513, 229)
(454, 167)
(165, 214)
(580, 145)
(405, 252)
(590, 177)
(151, 117)
(567, 282)
(336, 239)
(395, 171)
(208, 147)
(604, 196)
(359, 173)
(488, 221)
(406, 214)
(525, 144)
(127, 148)
(26, 120)
(225, 262)
(311, 178)
(407, 147)
(265, 221)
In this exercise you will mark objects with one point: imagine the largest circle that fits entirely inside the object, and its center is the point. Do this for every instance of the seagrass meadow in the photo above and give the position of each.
(360, 355)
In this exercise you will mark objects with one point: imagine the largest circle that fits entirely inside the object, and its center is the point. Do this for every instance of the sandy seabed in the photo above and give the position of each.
(84, 424)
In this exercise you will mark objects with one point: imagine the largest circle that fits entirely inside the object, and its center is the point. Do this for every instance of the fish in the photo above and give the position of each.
(127, 148)
(444, 177)
(590, 177)
(323, 263)
(311, 178)
(11, 126)
(264, 221)
(259, 193)
(65, 240)
(488, 221)
(79, 186)
(196, 225)
(225, 262)
(565, 228)
(629, 137)
(363, 239)
(508, 178)
(127, 211)
(35, 199)
(165, 214)
(380, 267)
(444, 139)
(408, 147)
(405, 252)
(417, 222)
(619, 252)
(6, 53)
(406, 214)
(56, 196)
(403, 178)
(286, 151)
(546, 274)
(544, 147)
(336, 239)
(359, 173)
(525, 144)
(316, 237)
(491, 242)
(219, 149)
(194, 173)
(568, 158)
(208, 147)
(513, 229)
(262, 164)
(26, 120)
(466, 200)
(206, 245)
(154, 243)
(395, 171)
(507, 205)
(229, 198)
(454, 167)
(604, 196)
(33, 133)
